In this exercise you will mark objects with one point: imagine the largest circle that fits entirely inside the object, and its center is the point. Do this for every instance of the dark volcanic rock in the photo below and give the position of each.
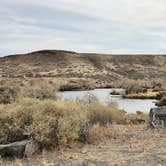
(20, 149)
(15, 149)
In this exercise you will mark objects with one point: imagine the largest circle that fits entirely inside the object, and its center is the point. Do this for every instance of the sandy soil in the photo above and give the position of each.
(135, 146)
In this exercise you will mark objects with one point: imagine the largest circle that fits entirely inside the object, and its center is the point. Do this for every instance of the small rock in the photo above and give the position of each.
(88, 162)
(138, 121)
(32, 148)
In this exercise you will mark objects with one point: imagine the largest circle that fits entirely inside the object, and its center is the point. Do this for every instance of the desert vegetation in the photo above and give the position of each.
(11, 91)
(161, 97)
(35, 112)
(54, 122)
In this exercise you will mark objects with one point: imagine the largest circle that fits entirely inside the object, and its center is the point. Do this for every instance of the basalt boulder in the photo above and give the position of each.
(158, 117)
(20, 149)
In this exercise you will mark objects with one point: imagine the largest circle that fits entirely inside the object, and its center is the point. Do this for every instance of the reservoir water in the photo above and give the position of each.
(129, 105)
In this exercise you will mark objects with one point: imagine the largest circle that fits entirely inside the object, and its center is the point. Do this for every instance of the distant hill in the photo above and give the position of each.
(99, 67)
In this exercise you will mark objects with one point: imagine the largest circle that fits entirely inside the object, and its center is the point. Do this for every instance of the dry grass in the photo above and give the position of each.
(134, 118)
(98, 132)
(146, 95)
(133, 85)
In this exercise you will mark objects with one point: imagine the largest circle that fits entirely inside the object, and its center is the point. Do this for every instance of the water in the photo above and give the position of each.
(129, 105)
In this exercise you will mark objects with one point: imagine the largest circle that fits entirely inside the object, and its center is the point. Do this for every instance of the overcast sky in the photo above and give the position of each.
(104, 26)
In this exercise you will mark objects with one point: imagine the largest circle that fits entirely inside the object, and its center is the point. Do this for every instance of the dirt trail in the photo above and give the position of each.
(136, 146)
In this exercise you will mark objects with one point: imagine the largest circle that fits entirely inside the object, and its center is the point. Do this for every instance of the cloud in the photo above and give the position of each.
(107, 26)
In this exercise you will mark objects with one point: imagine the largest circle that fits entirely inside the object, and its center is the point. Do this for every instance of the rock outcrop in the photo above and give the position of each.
(158, 117)
(15, 149)
(20, 149)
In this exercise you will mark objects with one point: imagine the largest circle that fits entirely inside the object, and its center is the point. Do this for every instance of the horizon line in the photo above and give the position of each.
(76, 52)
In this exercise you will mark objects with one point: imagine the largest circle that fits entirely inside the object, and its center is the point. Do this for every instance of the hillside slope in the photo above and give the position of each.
(99, 67)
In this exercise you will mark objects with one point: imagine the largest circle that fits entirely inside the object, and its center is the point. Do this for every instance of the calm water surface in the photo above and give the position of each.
(130, 105)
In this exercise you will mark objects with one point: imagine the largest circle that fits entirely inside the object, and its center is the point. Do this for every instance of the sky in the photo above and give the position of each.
(99, 26)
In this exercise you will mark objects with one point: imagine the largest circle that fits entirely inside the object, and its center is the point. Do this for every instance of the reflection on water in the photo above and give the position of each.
(130, 105)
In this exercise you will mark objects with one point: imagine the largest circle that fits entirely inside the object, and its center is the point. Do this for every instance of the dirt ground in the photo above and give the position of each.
(134, 146)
